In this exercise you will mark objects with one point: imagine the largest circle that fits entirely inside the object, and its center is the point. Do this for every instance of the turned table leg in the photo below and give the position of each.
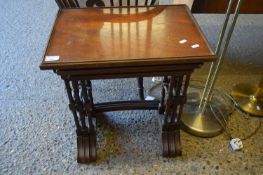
(81, 104)
(175, 99)
(140, 87)
(165, 83)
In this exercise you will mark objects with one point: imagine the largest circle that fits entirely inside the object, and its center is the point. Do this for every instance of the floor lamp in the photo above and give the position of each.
(198, 118)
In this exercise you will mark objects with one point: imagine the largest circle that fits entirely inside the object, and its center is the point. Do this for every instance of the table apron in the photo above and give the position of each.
(127, 72)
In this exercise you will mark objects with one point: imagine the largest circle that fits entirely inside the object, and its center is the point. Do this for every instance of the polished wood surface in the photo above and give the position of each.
(125, 36)
(220, 6)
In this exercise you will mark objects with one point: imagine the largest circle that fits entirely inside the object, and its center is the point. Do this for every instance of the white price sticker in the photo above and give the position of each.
(51, 58)
(183, 41)
(195, 46)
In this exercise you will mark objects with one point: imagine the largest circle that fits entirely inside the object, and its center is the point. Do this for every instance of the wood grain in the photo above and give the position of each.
(114, 36)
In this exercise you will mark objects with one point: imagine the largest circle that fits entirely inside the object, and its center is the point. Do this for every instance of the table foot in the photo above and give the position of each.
(86, 145)
(171, 141)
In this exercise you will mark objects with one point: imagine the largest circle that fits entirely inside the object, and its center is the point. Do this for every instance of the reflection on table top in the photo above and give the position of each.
(113, 35)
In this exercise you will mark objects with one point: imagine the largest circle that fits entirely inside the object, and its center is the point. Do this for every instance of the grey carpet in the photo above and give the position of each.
(37, 130)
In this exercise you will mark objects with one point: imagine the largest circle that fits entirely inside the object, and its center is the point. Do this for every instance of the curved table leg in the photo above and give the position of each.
(81, 105)
(176, 98)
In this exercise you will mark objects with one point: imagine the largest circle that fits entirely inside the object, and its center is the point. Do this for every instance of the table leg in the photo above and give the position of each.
(81, 104)
(140, 87)
(176, 98)
(163, 90)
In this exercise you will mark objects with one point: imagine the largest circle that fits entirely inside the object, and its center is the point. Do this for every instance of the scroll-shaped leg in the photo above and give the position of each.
(86, 145)
(81, 105)
(176, 98)
(171, 140)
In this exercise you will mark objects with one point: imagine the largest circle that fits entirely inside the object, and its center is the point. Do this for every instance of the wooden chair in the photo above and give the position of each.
(65, 4)
(111, 3)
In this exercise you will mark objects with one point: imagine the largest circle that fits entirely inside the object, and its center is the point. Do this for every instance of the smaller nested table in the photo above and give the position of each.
(126, 42)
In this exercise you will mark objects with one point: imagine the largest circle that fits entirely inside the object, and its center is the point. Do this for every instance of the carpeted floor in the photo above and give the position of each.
(37, 134)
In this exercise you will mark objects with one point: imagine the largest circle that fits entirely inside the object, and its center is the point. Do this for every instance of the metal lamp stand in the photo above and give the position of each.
(249, 98)
(197, 117)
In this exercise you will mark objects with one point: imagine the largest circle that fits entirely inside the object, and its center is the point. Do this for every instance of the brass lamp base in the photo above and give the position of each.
(249, 98)
(193, 120)
(203, 124)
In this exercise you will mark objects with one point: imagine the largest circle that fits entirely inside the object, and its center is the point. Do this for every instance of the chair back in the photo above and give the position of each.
(101, 3)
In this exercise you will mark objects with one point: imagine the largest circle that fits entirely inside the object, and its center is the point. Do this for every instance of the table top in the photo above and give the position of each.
(127, 36)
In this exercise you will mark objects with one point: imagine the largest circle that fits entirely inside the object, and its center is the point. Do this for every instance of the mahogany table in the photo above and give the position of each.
(126, 42)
